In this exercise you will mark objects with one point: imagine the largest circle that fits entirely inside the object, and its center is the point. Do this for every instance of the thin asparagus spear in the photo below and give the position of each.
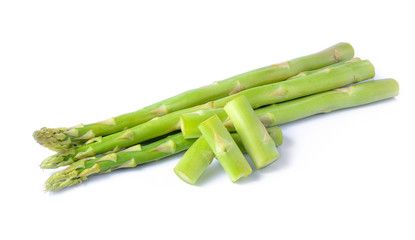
(199, 156)
(324, 102)
(257, 141)
(276, 114)
(64, 138)
(324, 80)
(226, 151)
(131, 157)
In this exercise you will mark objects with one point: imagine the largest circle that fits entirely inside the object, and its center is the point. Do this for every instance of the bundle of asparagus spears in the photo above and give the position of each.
(222, 120)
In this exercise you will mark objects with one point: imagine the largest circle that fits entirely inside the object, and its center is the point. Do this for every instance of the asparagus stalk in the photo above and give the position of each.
(128, 158)
(306, 73)
(258, 143)
(325, 102)
(199, 156)
(324, 80)
(226, 151)
(64, 138)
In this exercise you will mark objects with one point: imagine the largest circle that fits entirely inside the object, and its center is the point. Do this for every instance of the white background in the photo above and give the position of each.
(344, 175)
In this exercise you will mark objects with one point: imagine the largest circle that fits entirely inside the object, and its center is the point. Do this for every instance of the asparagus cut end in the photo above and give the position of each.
(184, 177)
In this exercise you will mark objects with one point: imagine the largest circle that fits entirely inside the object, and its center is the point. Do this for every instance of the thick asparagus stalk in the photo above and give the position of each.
(258, 143)
(276, 114)
(226, 151)
(199, 156)
(64, 138)
(324, 80)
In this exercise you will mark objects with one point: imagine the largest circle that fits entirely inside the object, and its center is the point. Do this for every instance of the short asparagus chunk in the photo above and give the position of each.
(257, 141)
(226, 150)
(199, 156)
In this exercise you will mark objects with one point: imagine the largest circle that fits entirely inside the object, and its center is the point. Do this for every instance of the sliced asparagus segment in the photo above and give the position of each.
(257, 141)
(64, 138)
(199, 156)
(226, 151)
(324, 80)
(325, 102)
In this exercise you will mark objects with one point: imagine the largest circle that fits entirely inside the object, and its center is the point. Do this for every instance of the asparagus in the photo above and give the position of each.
(258, 143)
(226, 151)
(325, 102)
(199, 156)
(65, 138)
(276, 114)
(326, 79)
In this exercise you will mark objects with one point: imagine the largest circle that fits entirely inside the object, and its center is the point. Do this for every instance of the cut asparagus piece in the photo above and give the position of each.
(327, 79)
(258, 143)
(226, 151)
(325, 102)
(64, 138)
(199, 156)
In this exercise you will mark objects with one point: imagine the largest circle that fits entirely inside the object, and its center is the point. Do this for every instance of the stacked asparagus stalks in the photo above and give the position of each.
(222, 120)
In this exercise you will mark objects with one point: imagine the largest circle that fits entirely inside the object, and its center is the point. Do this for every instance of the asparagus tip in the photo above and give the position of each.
(63, 179)
(53, 138)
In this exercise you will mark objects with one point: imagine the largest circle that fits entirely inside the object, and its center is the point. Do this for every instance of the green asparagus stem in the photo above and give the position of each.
(258, 143)
(64, 138)
(128, 158)
(226, 151)
(324, 80)
(306, 73)
(199, 156)
(325, 102)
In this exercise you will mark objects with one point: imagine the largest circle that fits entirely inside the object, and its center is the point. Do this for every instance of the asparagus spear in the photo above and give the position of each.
(226, 151)
(258, 143)
(199, 156)
(128, 158)
(276, 114)
(326, 79)
(64, 138)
